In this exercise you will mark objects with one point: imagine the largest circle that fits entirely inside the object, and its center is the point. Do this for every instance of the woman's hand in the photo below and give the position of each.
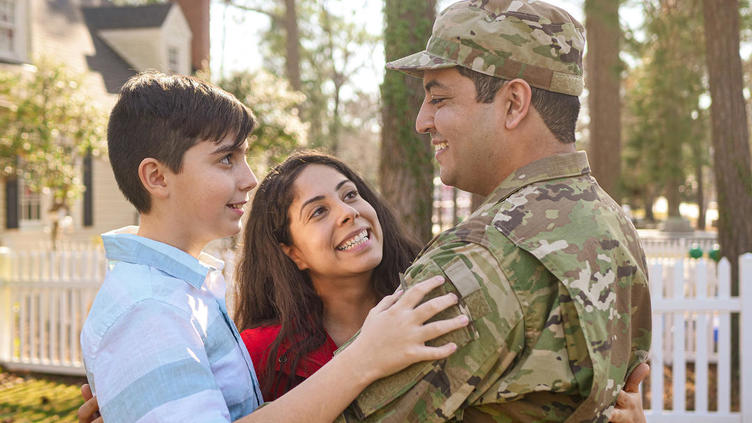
(89, 411)
(629, 402)
(394, 334)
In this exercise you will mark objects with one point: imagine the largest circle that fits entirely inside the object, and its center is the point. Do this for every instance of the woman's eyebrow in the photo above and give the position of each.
(339, 185)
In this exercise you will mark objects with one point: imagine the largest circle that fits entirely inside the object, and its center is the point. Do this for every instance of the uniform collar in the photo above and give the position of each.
(124, 245)
(551, 167)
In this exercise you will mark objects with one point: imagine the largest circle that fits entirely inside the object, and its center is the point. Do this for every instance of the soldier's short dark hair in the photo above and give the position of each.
(559, 111)
(162, 116)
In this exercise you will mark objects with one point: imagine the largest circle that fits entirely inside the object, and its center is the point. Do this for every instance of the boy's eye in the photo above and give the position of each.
(226, 159)
(436, 100)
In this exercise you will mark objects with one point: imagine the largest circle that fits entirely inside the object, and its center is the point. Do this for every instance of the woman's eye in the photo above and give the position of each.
(318, 211)
(351, 194)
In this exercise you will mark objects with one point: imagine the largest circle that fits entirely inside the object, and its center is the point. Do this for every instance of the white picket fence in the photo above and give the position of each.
(692, 309)
(675, 247)
(44, 300)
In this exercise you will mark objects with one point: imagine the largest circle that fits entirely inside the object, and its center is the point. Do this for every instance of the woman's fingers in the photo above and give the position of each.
(413, 296)
(434, 306)
(435, 329)
(436, 353)
(388, 301)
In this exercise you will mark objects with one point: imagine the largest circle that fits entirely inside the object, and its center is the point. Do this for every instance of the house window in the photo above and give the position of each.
(173, 59)
(30, 203)
(12, 30)
(7, 25)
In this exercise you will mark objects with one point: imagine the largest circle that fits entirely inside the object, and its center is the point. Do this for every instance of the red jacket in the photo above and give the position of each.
(258, 340)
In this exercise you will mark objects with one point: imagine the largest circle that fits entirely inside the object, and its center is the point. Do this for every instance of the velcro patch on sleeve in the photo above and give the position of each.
(473, 301)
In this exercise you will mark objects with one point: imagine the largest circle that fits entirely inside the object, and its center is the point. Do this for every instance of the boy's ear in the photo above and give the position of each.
(294, 254)
(516, 100)
(151, 172)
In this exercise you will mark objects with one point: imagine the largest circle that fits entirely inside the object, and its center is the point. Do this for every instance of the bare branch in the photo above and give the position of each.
(274, 16)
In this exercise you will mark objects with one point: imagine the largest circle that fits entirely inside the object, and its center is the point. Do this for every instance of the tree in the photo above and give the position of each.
(287, 18)
(604, 84)
(667, 137)
(318, 49)
(406, 169)
(730, 134)
(279, 130)
(50, 126)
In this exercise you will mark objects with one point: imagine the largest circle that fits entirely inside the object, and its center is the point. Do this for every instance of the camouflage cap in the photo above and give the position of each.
(527, 39)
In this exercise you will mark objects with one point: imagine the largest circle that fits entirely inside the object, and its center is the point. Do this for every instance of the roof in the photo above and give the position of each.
(126, 17)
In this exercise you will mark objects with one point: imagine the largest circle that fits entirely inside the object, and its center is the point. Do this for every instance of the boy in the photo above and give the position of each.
(158, 332)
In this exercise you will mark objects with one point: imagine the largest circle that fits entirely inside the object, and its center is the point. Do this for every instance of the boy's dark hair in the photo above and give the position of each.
(162, 116)
(558, 111)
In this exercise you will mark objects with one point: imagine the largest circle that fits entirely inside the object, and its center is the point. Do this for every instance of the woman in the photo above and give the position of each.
(321, 249)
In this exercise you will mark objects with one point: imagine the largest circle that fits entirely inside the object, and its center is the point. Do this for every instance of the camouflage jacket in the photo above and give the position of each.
(553, 278)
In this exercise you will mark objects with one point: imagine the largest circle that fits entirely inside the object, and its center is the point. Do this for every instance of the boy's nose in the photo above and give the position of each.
(248, 181)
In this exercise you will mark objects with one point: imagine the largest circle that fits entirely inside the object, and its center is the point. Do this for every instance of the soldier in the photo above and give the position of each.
(548, 268)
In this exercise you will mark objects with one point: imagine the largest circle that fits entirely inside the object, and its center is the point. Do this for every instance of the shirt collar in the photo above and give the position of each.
(551, 167)
(124, 245)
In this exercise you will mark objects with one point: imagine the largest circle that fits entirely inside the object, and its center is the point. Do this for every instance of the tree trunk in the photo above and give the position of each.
(700, 196)
(292, 45)
(733, 176)
(406, 167)
(649, 199)
(603, 73)
(673, 198)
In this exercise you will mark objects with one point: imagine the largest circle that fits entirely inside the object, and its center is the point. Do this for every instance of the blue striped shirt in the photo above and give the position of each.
(158, 344)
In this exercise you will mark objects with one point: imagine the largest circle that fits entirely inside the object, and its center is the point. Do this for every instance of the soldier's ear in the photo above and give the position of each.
(515, 96)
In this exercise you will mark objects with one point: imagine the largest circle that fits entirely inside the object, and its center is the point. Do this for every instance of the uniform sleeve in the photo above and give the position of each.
(152, 367)
(438, 391)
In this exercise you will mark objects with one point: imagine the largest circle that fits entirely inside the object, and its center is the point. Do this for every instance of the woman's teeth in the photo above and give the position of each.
(354, 241)
(235, 206)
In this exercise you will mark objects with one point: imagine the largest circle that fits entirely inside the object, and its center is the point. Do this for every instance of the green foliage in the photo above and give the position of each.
(279, 129)
(49, 125)
(331, 47)
(41, 400)
(666, 129)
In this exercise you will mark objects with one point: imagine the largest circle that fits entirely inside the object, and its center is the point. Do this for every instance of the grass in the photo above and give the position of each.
(26, 398)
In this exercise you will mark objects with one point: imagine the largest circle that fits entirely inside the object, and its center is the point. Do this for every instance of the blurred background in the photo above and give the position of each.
(665, 122)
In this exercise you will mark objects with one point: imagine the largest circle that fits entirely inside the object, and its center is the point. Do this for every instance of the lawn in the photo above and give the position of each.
(26, 398)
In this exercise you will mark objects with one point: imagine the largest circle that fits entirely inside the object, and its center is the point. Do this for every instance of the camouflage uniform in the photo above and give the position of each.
(548, 269)
(552, 275)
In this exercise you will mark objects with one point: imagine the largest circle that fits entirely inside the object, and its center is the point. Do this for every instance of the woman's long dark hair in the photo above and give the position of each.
(271, 289)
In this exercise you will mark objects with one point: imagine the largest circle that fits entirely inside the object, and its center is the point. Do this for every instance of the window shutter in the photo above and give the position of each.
(11, 203)
(88, 173)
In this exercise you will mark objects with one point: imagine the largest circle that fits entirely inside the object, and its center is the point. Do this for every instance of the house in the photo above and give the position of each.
(109, 44)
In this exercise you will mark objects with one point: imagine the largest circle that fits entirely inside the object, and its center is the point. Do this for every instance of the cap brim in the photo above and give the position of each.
(415, 64)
